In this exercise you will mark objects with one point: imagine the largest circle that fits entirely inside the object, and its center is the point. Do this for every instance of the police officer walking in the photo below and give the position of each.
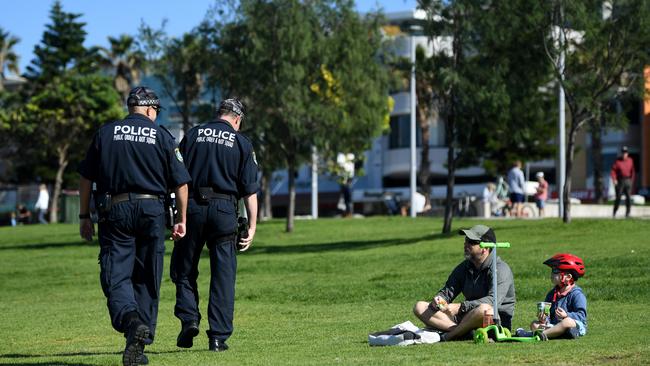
(134, 163)
(222, 164)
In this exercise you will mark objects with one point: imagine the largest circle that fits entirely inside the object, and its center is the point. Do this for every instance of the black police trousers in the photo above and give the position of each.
(214, 223)
(132, 247)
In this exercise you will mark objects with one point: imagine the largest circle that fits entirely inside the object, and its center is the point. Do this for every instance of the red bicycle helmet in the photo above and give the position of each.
(567, 263)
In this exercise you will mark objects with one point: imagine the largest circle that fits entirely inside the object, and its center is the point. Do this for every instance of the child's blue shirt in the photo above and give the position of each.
(574, 303)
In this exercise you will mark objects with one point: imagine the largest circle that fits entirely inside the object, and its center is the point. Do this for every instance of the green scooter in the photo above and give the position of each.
(496, 331)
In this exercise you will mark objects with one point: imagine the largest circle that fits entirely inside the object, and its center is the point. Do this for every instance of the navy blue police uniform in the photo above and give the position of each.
(134, 163)
(222, 165)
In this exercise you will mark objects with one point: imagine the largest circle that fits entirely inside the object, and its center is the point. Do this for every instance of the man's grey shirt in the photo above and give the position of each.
(476, 285)
(516, 180)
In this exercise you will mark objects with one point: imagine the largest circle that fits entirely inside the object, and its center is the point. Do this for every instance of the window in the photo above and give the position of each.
(400, 132)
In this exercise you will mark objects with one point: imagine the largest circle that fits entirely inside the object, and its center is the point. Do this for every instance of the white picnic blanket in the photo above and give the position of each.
(403, 334)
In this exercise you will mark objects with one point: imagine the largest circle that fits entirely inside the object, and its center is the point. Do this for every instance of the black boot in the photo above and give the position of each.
(189, 330)
(217, 345)
(136, 334)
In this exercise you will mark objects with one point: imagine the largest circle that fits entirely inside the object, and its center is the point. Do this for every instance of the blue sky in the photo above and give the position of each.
(26, 19)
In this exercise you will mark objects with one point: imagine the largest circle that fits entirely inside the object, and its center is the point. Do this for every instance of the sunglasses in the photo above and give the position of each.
(472, 242)
(556, 271)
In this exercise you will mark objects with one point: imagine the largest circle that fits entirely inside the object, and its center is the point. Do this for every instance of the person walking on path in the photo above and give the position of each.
(622, 174)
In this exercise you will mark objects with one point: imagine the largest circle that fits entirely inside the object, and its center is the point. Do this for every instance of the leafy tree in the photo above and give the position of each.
(451, 82)
(61, 48)
(605, 46)
(8, 57)
(226, 31)
(350, 88)
(8, 101)
(66, 100)
(126, 61)
(310, 74)
(151, 42)
(518, 116)
(281, 47)
(491, 111)
(67, 113)
(181, 72)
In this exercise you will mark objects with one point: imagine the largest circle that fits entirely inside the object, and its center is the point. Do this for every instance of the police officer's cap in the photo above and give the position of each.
(141, 96)
(233, 105)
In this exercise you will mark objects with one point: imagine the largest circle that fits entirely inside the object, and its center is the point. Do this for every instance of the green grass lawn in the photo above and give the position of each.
(313, 296)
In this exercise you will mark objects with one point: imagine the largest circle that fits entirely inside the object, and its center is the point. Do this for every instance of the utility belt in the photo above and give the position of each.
(104, 201)
(205, 194)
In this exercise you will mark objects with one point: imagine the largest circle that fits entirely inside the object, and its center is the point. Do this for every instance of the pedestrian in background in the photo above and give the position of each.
(542, 193)
(517, 184)
(622, 174)
(42, 203)
(23, 215)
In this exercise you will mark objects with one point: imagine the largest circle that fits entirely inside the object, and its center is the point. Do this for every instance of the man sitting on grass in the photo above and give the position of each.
(472, 278)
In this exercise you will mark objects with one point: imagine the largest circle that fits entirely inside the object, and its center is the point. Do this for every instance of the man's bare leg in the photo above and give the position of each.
(471, 320)
(441, 320)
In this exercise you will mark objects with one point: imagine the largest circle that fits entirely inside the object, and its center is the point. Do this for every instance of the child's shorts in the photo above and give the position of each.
(576, 332)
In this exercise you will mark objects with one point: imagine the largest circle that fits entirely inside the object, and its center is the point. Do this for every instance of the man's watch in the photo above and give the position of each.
(84, 216)
(462, 308)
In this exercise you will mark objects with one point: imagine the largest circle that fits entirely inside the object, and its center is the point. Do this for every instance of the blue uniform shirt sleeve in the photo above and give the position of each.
(248, 175)
(178, 172)
(89, 167)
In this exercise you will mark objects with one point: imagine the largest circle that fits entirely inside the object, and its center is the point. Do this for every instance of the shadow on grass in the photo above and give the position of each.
(69, 354)
(74, 354)
(342, 245)
(66, 354)
(49, 363)
(38, 246)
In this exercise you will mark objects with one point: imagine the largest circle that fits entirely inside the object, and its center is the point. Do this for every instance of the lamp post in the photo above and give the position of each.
(314, 182)
(413, 126)
(561, 139)
(561, 123)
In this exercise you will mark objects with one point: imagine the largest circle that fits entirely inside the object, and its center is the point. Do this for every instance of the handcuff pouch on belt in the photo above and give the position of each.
(204, 195)
(103, 203)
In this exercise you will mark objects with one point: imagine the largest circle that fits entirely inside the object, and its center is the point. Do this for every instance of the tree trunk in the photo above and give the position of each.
(187, 105)
(450, 135)
(425, 164)
(266, 211)
(597, 158)
(451, 179)
(291, 210)
(566, 192)
(450, 131)
(62, 152)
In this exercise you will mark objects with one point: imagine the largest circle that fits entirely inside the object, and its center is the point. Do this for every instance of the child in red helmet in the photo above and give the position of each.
(568, 313)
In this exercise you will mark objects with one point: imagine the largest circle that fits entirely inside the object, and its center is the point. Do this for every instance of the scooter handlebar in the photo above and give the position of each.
(493, 245)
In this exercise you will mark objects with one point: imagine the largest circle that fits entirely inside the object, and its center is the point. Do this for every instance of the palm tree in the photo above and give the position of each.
(181, 73)
(8, 58)
(126, 60)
